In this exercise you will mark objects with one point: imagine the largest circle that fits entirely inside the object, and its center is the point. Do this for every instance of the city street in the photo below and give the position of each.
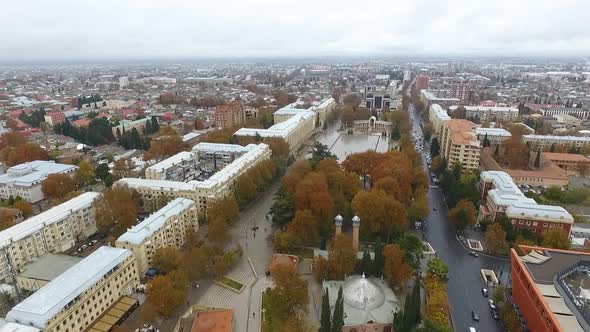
(465, 282)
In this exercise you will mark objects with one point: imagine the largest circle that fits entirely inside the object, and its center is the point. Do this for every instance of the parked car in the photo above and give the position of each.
(495, 314)
(484, 292)
(83, 247)
(492, 305)
(473, 253)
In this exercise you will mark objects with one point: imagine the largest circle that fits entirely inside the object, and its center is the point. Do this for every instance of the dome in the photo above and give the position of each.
(361, 293)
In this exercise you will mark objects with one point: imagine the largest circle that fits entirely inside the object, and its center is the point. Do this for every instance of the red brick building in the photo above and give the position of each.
(53, 118)
(546, 287)
(422, 82)
(229, 115)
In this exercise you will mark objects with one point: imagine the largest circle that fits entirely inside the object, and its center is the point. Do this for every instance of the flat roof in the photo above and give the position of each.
(48, 301)
(49, 266)
(213, 321)
(137, 183)
(138, 233)
(51, 216)
(506, 109)
(493, 132)
(14, 327)
(219, 147)
(556, 138)
(165, 164)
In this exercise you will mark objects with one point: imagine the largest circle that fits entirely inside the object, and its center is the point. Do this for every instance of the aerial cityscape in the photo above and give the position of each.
(294, 166)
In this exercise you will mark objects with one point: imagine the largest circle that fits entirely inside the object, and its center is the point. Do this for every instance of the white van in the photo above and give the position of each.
(472, 329)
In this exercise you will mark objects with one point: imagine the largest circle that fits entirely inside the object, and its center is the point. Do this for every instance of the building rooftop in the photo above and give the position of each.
(163, 185)
(51, 216)
(492, 132)
(138, 233)
(49, 266)
(565, 157)
(14, 327)
(33, 172)
(487, 108)
(281, 129)
(44, 304)
(213, 321)
(218, 147)
(556, 138)
(176, 159)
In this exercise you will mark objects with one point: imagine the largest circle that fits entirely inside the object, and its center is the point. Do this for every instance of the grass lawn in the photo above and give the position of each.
(268, 323)
(231, 283)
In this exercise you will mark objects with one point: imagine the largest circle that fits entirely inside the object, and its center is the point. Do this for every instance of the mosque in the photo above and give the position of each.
(369, 303)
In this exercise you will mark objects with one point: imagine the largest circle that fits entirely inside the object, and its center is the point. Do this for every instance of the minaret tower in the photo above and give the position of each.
(338, 223)
(356, 224)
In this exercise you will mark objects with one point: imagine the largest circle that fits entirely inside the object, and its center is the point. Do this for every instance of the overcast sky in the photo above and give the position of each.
(174, 29)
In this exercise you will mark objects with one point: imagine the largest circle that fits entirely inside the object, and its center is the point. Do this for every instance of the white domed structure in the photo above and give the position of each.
(366, 300)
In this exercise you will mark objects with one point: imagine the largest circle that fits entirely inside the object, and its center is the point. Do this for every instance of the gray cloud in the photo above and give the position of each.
(135, 29)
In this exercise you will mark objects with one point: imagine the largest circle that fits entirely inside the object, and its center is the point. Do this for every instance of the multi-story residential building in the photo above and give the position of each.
(53, 231)
(428, 98)
(295, 129)
(73, 300)
(494, 135)
(53, 118)
(168, 227)
(217, 156)
(25, 180)
(463, 91)
(548, 288)
(218, 185)
(183, 166)
(437, 116)
(422, 82)
(123, 82)
(544, 142)
(128, 125)
(229, 115)
(458, 144)
(493, 114)
(322, 109)
(581, 113)
(501, 196)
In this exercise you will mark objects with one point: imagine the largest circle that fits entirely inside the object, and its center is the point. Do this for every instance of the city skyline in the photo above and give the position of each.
(66, 30)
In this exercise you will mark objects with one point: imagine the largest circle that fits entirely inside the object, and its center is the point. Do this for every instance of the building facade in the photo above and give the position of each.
(437, 116)
(73, 300)
(458, 144)
(183, 166)
(544, 142)
(168, 227)
(464, 92)
(53, 118)
(571, 163)
(581, 113)
(25, 179)
(422, 82)
(487, 113)
(216, 156)
(53, 231)
(229, 115)
(428, 98)
(128, 125)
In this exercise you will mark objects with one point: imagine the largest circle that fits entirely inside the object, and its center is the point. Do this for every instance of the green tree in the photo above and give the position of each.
(325, 321)
(556, 238)
(538, 159)
(338, 317)
(434, 147)
(438, 268)
(155, 125)
(84, 174)
(365, 266)
(102, 171)
(377, 266)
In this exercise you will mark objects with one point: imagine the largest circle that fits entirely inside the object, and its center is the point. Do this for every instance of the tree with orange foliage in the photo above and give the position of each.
(395, 269)
(380, 212)
(57, 186)
(25, 207)
(341, 257)
(163, 147)
(295, 174)
(116, 210)
(312, 194)
(218, 266)
(305, 228)
(163, 296)
(516, 153)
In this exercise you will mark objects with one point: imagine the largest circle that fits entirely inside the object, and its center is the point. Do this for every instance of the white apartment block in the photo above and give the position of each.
(428, 98)
(53, 231)
(168, 227)
(488, 113)
(459, 144)
(293, 125)
(437, 116)
(495, 135)
(14, 327)
(183, 166)
(123, 82)
(544, 142)
(25, 180)
(73, 300)
(218, 185)
(217, 155)
(581, 113)
(323, 108)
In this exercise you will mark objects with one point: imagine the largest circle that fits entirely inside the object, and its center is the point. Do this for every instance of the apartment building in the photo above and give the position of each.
(218, 185)
(488, 113)
(459, 144)
(437, 116)
(428, 98)
(297, 127)
(128, 125)
(229, 115)
(73, 300)
(464, 92)
(581, 113)
(500, 195)
(548, 288)
(53, 231)
(494, 135)
(422, 82)
(168, 227)
(544, 142)
(183, 166)
(322, 109)
(25, 179)
(53, 118)
(216, 156)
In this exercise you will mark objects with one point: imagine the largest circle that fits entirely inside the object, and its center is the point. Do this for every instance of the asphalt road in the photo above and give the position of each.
(465, 282)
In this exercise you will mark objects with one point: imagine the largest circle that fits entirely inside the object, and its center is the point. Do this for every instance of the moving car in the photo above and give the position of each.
(475, 315)
(484, 292)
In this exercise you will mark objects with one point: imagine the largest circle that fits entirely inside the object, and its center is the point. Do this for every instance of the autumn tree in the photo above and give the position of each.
(304, 227)
(167, 259)
(14, 149)
(84, 174)
(556, 238)
(219, 266)
(123, 168)
(245, 189)
(290, 292)
(341, 257)
(7, 218)
(168, 143)
(463, 214)
(320, 268)
(196, 263)
(57, 186)
(116, 210)
(582, 168)
(396, 270)
(25, 207)
(379, 212)
(419, 209)
(162, 295)
(516, 153)
(312, 194)
(295, 175)
(496, 238)
(225, 208)
(218, 231)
